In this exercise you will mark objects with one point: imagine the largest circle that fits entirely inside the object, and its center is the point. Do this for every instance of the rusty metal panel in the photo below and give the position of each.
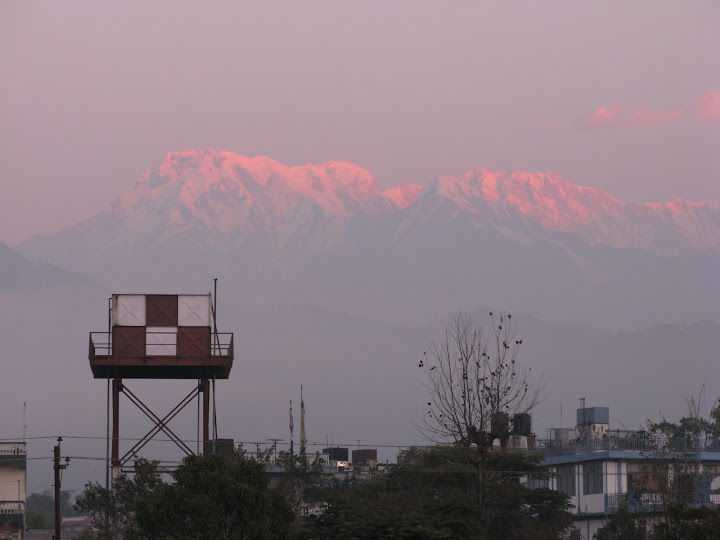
(128, 342)
(161, 341)
(194, 310)
(162, 310)
(129, 309)
(194, 342)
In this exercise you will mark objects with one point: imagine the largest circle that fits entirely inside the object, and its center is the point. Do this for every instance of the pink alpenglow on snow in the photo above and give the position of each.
(404, 195)
(226, 199)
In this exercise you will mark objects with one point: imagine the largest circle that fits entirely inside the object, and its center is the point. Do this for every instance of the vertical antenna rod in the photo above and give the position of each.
(107, 406)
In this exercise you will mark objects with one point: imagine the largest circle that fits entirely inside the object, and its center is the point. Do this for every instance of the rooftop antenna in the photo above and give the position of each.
(107, 405)
(24, 413)
(214, 316)
(217, 341)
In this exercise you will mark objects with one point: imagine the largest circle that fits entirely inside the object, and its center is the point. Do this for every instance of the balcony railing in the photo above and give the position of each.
(553, 448)
(12, 507)
(160, 343)
(13, 449)
(613, 500)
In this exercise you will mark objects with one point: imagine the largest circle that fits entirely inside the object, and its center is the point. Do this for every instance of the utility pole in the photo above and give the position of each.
(57, 467)
(274, 447)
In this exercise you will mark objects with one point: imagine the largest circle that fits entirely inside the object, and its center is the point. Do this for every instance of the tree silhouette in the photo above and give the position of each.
(475, 384)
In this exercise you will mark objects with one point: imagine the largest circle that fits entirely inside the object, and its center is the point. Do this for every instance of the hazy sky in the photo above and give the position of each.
(623, 96)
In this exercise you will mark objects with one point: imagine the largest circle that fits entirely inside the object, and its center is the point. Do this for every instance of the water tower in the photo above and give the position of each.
(160, 336)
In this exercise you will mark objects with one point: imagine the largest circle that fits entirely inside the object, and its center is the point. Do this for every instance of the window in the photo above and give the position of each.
(566, 479)
(643, 477)
(592, 478)
(536, 483)
(713, 470)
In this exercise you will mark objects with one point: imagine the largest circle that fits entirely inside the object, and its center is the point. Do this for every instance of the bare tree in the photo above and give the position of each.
(474, 380)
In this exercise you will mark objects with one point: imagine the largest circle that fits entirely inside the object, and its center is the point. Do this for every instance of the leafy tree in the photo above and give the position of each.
(44, 504)
(213, 497)
(113, 512)
(35, 520)
(473, 380)
(678, 521)
(431, 495)
(689, 523)
(692, 429)
(85, 534)
(303, 480)
(623, 525)
(218, 496)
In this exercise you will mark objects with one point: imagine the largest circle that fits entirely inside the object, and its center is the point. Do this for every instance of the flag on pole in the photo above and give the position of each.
(292, 423)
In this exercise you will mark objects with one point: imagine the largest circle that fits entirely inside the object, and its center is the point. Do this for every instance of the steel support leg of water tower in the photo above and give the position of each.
(116, 389)
(205, 383)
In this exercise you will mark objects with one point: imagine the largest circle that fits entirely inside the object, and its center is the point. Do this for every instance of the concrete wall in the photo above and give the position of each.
(9, 477)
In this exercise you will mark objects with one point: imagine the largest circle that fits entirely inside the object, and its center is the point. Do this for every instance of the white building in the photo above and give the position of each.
(600, 469)
(13, 477)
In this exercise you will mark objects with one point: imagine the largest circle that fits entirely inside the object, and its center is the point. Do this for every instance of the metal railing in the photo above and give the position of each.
(221, 344)
(646, 498)
(12, 507)
(100, 344)
(13, 449)
(160, 343)
(553, 448)
(613, 500)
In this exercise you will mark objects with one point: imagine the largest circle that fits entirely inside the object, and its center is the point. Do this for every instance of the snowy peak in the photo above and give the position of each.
(223, 200)
(403, 196)
(546, 198)
(340, 188)
(549, 199)
(670, 228)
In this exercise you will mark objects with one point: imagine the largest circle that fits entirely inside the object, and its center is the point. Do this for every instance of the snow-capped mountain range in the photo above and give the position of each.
(226, 198)
(231, 196)
(323, 231)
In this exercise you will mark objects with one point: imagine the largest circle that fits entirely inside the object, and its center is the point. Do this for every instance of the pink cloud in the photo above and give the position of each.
(647, 117)
(706, 107)
(642, 117)
(602, 118)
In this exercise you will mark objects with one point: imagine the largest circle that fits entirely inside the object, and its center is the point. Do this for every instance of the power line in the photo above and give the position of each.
(250, 442)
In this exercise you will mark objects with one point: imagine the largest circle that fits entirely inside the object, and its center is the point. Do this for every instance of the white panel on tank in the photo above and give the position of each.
(194, 310)
(129, 310)
(161, 341)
